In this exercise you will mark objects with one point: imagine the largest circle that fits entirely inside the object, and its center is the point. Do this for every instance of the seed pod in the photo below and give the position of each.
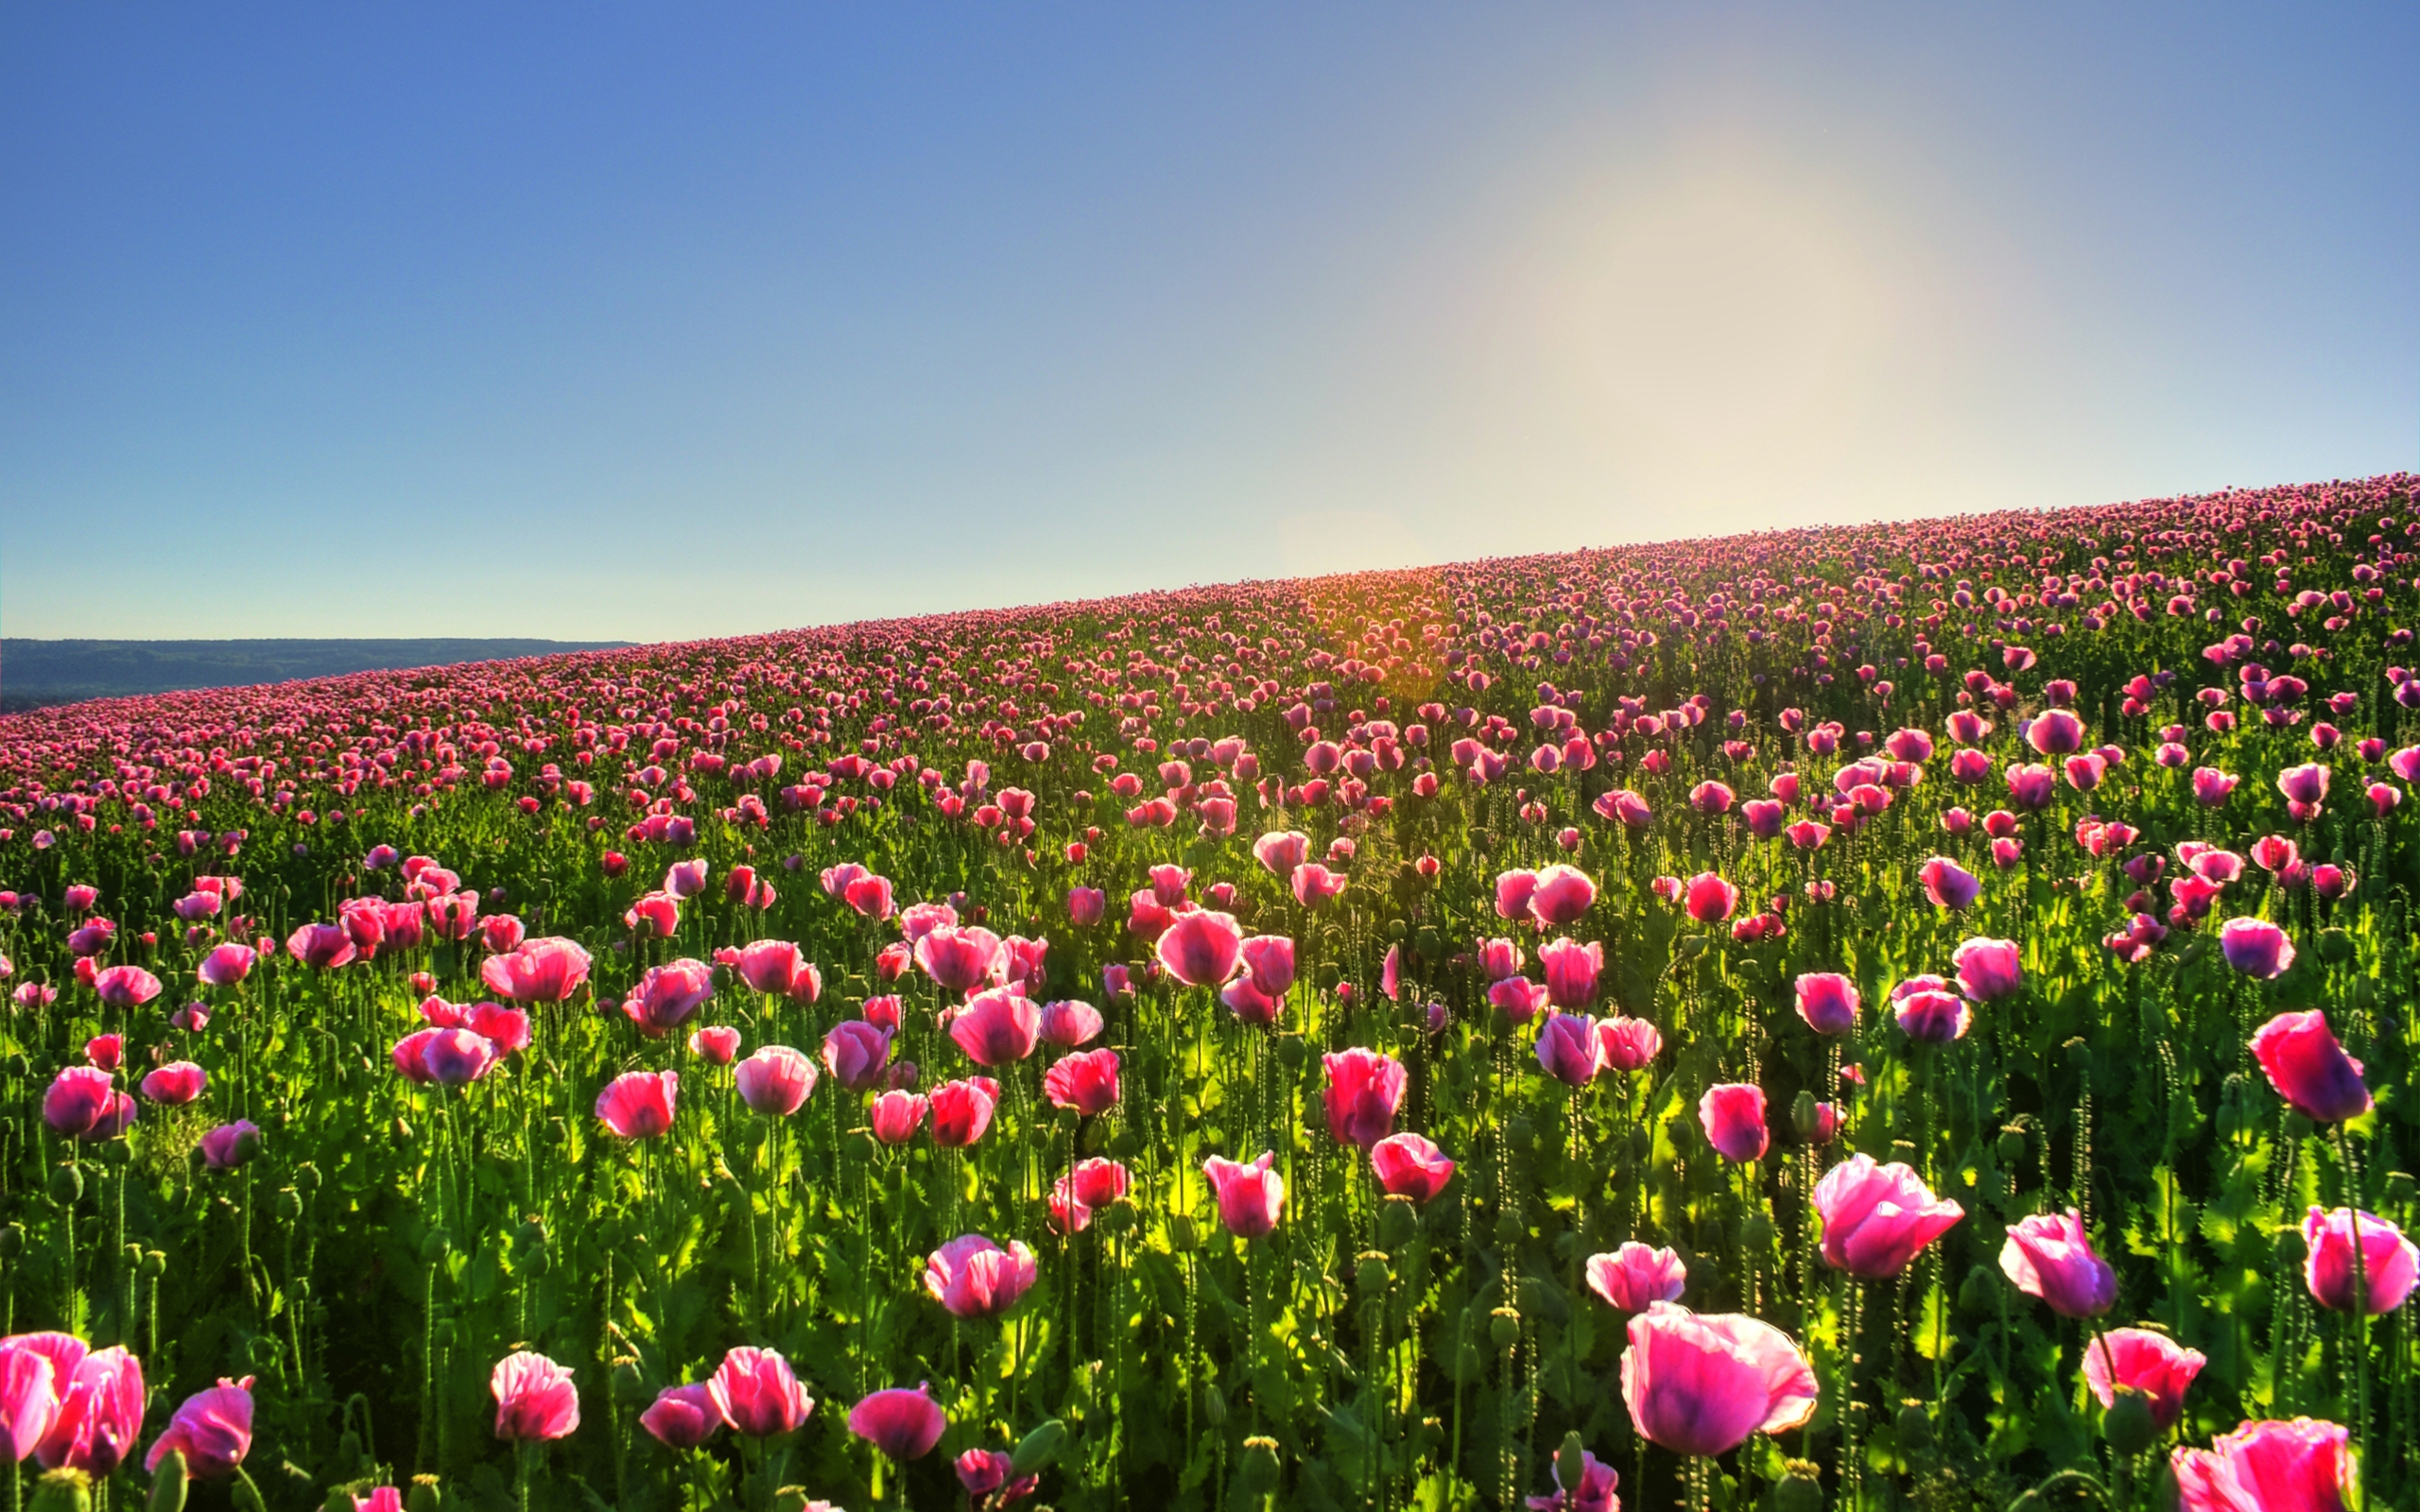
(2079, 1054)
(1914, 1427)
(1257, 1471)
(790, 1499)
(66, 1185)
(289, 1205)
(2011, 1144)
(424, 1495)
(1504, 1327)
(1371, 1274)
(62, 1491)
(1398, 1221)
(2127, 1426)
(1800, 1489)
(1290, 1051)
(12, 1242)
(155, 1265)
(1756, 1230)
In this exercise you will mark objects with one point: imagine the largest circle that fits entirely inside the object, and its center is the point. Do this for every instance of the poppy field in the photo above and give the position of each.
(1896, 1016)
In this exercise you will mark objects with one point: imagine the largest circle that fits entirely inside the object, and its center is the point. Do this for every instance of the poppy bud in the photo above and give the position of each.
(66, 1184)
(1037, 1449)
(168, 1484)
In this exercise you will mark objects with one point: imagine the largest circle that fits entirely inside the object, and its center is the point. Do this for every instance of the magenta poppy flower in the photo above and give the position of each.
(869, 896)
(683, 1416)
(1086, 1081)
(1499, 958)
(1520, 999)
(776, 968)
(100, 1407)
(775, 1081)
(226, 965)
(1251, 1197)
(230, 1145)
(1364, 1089)
(1635, 1277)
(759, 1394)
(2150, 1363)
(1733, 1115)
(963, 1111)
(903, 1424)
(669, 995)
(1630, 1044)
(1069, 1025)
(717, 1043)
(1700, 1384)
(213, 1429)
(2310, 1069)
(959, 959)
(1828, 1002)
(1201, 948)
(1569, 1050)
(1571, 969)
(2255, 947)
(1988, 969)
(2389, 1264)
(896, 1116)
(535, 1398)
(997, 1028)
(2301, 1466)
(178, 1081)
(2049, 1256)
(126, 987)
(854, 1051)
(1947, 883)
(83, 1103)
(1514, 890)
(1560, 895)
(546, 970)
(638, 1104)
(653, 915)
(1709, 898)
(974, 1277)
(1409, 1165)
(1877, 1217)
(1282, 850)
(1315, 884)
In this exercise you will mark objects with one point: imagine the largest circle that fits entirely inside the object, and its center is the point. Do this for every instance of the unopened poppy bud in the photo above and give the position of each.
(1182, 1237)
(1290, 1052)
(1214, 1404)
(12, 1242)
(66, 1184)
(1037, 1449)
(168, 1484)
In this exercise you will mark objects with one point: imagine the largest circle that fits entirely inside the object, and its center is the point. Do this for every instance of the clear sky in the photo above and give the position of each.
(659, 321)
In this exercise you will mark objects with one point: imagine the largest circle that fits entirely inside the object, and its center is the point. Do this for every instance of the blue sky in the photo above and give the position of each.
(653, 322)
